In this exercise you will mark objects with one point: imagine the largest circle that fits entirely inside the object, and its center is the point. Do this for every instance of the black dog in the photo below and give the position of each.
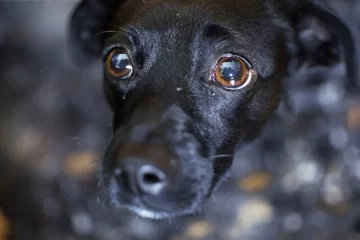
(188, 81)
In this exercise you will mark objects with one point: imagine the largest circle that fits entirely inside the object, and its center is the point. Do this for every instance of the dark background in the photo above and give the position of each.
(300, 180)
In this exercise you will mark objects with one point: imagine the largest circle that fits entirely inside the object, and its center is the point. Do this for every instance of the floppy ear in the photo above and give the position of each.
(322, 38)
(87, 22)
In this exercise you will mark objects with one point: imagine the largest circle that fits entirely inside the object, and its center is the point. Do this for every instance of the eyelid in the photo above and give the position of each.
(109, 48)
(120, 40)
(248, 63)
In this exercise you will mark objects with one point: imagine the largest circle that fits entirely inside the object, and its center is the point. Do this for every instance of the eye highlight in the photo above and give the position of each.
(233, 72)
(118, 64)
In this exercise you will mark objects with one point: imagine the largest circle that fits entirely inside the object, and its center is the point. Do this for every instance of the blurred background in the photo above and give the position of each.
(299, 180)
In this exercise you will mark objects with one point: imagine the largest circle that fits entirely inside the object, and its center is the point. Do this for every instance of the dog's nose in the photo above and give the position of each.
(138, 176)
(146, 169)
(150, 180)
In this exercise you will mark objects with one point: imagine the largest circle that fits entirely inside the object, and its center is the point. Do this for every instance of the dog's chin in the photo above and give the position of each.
(147, 213)
(144, 211)
(122, 201)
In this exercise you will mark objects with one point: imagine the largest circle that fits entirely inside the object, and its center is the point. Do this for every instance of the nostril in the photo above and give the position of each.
(150, 179)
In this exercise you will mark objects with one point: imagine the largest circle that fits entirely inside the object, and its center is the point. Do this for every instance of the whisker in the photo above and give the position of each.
(222, 163)
(76, 138)
(118, 27)
(96, 160)
(108, 31)
(221, 156)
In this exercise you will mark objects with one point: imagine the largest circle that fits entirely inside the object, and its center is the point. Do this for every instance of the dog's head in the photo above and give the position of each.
(187, 81)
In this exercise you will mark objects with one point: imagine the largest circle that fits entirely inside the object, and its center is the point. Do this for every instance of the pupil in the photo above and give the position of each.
(230, 70)
(120, 62)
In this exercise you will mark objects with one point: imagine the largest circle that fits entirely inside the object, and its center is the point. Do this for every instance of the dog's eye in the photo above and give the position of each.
(118, 64)
(233, 72)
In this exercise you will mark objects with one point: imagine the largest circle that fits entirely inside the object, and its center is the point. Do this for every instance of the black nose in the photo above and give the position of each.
(150, 180)
(141, 178)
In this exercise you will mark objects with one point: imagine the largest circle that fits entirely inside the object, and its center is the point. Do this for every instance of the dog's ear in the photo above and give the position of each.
(86, 24)
(321, 37)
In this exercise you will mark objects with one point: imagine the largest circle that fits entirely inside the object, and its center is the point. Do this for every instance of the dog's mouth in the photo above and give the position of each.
(144, 211)
(150, 214)
(141, 209)
(155, 207)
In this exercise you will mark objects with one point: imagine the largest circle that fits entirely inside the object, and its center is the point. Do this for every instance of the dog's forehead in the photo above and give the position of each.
(182, 19)
(177, 28)
(152, 13)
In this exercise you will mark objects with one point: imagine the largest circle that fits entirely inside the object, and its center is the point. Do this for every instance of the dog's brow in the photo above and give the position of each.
(214, 31)
(121, 38)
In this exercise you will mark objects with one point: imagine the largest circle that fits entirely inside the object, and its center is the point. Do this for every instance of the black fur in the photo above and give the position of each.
(169, 114)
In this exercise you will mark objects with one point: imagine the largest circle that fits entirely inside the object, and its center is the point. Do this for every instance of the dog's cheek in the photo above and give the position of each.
(114, 96)
(264, 101)
(247, 112)
(110, 95)
(215, 117)
(200, 176)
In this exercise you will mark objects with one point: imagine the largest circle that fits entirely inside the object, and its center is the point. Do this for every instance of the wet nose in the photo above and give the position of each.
(146, 168)
(141, 178)
(150, 180)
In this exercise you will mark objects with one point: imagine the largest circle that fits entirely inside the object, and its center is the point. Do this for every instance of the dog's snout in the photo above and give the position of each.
(150, 180)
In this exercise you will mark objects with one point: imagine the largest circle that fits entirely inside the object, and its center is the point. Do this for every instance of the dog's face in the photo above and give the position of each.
(187, 81)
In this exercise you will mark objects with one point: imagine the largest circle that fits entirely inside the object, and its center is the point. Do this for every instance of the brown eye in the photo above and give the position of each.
(118, 64)
(233, 72)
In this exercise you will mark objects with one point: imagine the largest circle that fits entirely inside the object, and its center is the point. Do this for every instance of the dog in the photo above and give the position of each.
(189, 81)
